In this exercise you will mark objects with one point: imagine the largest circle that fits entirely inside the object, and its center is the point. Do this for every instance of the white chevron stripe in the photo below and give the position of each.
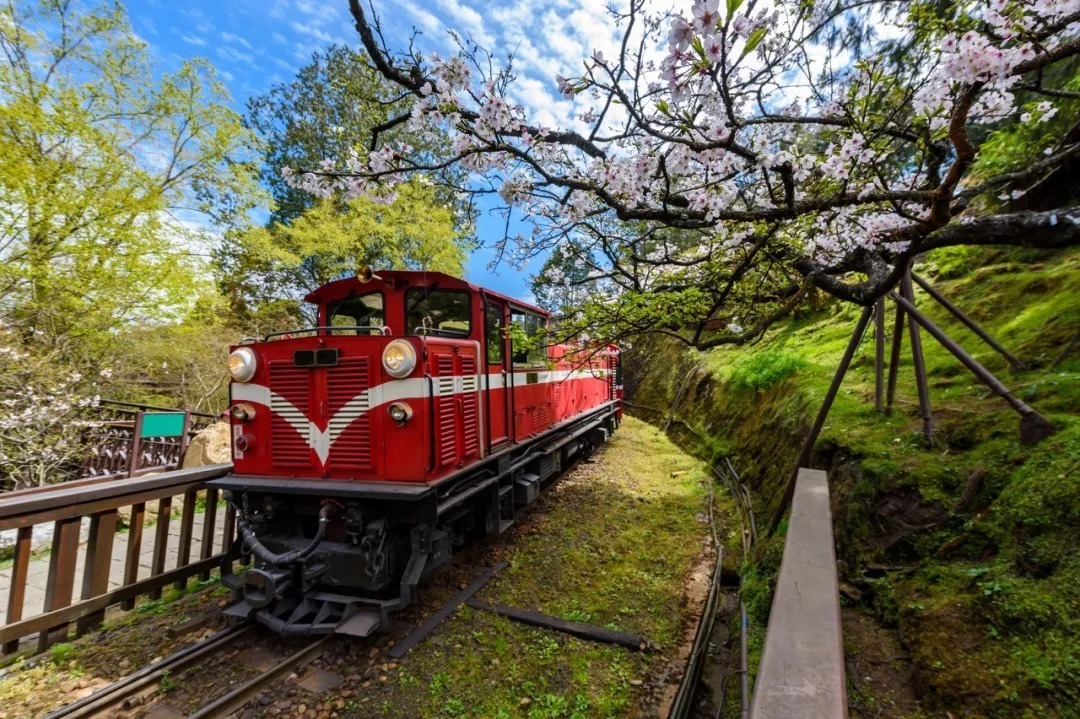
(393, 391)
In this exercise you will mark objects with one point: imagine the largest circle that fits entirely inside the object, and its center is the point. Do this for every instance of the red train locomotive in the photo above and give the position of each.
(402, 427)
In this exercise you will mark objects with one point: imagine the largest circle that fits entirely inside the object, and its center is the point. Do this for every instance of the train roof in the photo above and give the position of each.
(391, 278)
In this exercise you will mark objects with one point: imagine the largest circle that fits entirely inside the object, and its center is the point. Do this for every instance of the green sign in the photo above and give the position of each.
(162, 424)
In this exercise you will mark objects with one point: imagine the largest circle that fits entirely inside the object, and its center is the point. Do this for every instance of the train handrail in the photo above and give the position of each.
(381, 329)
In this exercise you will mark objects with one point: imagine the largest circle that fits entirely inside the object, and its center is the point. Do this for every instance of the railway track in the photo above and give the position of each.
(236, 698)
(112, 698)
(119, 696)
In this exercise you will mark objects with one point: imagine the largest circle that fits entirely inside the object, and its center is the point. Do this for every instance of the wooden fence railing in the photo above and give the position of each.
(802, 665)
(125, 439)
(65, 507)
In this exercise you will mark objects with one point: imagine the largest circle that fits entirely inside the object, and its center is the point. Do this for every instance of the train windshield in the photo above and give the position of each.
(357, 314)
(431, 311)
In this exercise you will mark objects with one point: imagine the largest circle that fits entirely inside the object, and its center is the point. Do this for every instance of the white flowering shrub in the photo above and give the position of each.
(41, 422)
(745, 152)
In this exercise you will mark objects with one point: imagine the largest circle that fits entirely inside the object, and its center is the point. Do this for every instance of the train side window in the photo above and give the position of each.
(444, 313)
(534, 351)
(494, 319)
(365, 312)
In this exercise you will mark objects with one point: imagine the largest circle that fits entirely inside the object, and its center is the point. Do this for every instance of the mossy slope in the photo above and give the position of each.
(967, 547)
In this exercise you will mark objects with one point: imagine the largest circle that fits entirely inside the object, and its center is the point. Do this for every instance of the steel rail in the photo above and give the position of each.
(683, 703)
(114, 694)
(236, 699)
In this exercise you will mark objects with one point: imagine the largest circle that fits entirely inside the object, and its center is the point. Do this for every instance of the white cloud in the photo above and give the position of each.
(193, 40)
(322, 12)
(230, 53)
(235, 40)
(284, 64)
(312, 31)
(426, 21)
(467, 21)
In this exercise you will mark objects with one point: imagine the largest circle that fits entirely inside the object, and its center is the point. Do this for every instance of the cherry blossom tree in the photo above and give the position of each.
(730, 158)
(42, 404)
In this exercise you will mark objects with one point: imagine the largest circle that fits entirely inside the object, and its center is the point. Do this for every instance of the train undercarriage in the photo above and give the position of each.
(331, 556)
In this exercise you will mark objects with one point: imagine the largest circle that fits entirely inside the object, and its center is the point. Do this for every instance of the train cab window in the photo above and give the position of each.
(359, 314)
(430, 311)
(532, 352)
(493, 316)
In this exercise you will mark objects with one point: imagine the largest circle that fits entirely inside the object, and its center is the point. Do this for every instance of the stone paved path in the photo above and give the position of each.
(39, 568)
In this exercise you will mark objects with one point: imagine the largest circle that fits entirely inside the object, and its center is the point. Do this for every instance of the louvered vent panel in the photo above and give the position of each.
(470, 414)
(446, 421)
(350, 421)
(543, 416)
(290, 389)
(611, 375)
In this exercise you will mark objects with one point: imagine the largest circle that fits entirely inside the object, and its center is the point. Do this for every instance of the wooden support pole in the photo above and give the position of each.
(823, 413)
(184, 440)
(879, 354)
(20, 571)
(136, 445)
(1065, 351)
(97, 566)
(894, 358)
(968, 322)
(920, 365)
(1033, 426)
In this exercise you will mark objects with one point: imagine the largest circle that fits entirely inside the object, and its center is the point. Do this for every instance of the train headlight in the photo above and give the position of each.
(399, 359)
(400, 412)
(242, 364)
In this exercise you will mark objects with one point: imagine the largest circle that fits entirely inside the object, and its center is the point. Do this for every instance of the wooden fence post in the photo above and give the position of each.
(136, 445)
(97, 566)
(61, 583)
(19, 573)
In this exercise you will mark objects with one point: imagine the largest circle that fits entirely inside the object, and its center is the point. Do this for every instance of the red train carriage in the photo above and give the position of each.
(405, 425)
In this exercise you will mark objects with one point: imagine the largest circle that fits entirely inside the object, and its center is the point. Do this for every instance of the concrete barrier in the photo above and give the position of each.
(802, 666)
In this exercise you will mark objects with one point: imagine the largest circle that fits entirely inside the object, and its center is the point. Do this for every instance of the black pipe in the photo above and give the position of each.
(280, 560)
(823, 413)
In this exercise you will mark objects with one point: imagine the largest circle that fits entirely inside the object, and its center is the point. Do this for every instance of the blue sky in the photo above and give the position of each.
(257, 43)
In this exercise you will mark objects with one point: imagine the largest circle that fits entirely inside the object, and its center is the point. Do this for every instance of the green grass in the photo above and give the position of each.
(991, 645)
(764, 369)
(612, 545)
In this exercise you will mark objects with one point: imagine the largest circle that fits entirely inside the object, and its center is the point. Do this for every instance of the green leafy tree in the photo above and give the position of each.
(109, 170)
(563, 282)
(337, 104)
(269, 266)
(334, 105)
